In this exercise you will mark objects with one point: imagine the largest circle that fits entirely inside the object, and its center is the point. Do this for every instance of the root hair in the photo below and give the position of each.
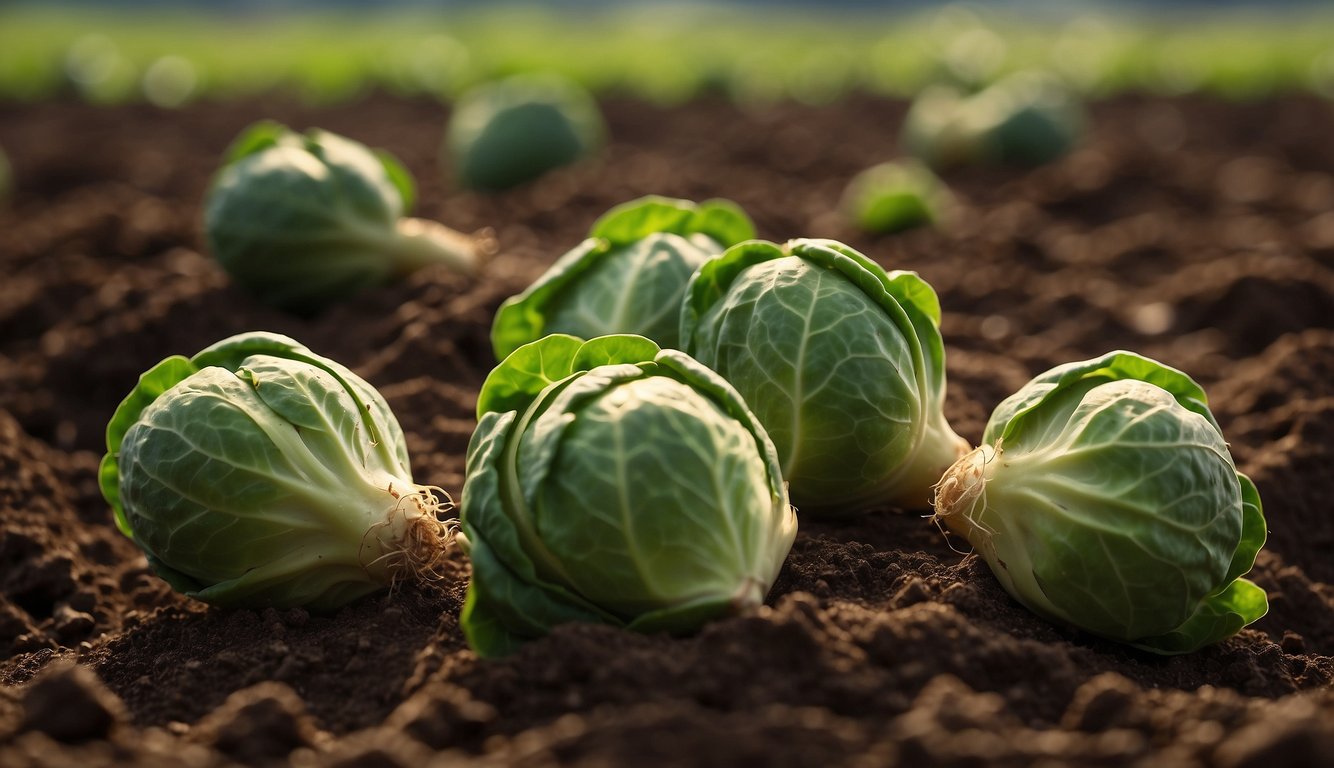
(963, 485)
(418, 553)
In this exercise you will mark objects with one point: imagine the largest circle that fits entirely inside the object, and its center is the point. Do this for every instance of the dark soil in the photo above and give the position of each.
(1197, 232)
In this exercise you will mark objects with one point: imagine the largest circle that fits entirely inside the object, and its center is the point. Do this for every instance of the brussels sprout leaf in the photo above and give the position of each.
(400, 178)
(626, 278)
(1218, 618)
(516, 381)
(152, 383)
(256, 138)
(1113, 366)
(721, 220)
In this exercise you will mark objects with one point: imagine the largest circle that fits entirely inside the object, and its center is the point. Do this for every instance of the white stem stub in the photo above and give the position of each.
(960, 496)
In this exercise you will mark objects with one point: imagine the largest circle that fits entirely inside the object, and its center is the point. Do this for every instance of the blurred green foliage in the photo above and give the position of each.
(663, 54)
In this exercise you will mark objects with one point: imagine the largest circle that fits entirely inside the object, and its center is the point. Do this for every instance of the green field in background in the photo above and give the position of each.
(663, 55)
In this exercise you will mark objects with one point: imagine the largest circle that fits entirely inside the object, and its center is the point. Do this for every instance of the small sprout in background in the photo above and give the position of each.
(627, 277)
(1026, 119)
(894, 197)
(842, 363)
(507, 132)
(305, 220)
(613, 482)
(1031, 119)
(257, 473)
(1104, 496)
(939, 131)
(170, 82)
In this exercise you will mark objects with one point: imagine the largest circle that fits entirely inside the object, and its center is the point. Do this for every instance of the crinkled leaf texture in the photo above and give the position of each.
(627, 277)
(305, 220)
(842, 362)
(1112, 503)
(615, 482)
(257, 473)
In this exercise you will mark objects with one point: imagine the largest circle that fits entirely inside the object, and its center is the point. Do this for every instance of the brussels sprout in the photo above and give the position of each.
(841, 362)
(627, 277)
(1026, 119)
(505, 133)
(1104, 496)
(257, 473)
(613, 482)
(894, 197)
(1030, 118)
(303, 221)
(940, 131)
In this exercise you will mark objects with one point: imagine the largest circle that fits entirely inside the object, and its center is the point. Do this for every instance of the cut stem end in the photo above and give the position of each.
(414, 539)
(960, 496)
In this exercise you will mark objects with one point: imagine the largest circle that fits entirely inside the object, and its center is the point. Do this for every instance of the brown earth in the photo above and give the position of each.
(1197, 232)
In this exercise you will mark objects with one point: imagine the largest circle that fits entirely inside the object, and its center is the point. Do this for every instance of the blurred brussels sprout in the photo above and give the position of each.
(257, 473)
(1104, 496)
(304, 221)
(627, 277)
(894, 197)
(1026, 119)
(940, 131)
(613, 482)
(507, 132)
(1030, 117)
(841, 362)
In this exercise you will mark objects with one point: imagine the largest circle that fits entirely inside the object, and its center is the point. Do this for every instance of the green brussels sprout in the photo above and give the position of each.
(257, 473)
(940, 131)
(1104, 496)
(895, 197)
(627, 277)
(304, 221)
(842, 363)
(1026, 119)
(507, 132)
(1030, 119)
(614, 482)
